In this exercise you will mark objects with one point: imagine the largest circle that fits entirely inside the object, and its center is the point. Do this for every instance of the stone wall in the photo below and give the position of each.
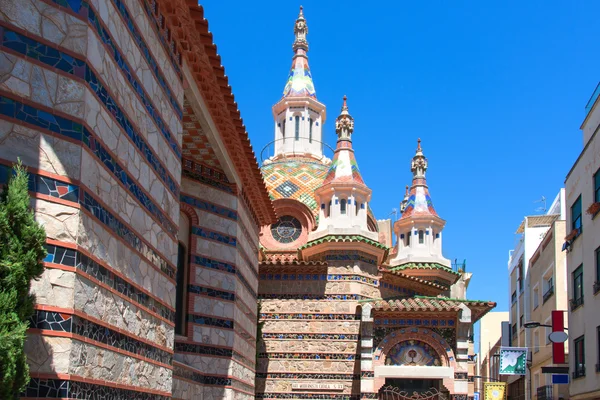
(92, 104)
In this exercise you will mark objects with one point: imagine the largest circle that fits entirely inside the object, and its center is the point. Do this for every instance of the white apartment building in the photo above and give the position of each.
(583, 259)
(531, 231)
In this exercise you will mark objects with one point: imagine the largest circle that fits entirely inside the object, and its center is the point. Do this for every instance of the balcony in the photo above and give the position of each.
(548, 294)
(596, 287)
(576, 303)
(544, 393)
(579, 372)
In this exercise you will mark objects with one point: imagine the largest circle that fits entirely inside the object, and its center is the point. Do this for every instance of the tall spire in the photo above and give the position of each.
(419, 200)
(343, 196)
(300, 82)
(344, 167)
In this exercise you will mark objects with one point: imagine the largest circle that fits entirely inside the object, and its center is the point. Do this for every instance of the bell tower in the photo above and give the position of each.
(298, 115)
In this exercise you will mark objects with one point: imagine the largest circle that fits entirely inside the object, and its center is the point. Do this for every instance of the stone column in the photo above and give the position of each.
(367, 378)
(463, 333)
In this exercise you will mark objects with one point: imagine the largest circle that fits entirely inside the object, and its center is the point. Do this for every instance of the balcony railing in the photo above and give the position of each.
(592, 99)
(544, 392)
(576, 303)
(548, 294)
(579, 372)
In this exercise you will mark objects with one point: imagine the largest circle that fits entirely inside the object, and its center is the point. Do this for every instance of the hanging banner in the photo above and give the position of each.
(513, 360)
(494, 390)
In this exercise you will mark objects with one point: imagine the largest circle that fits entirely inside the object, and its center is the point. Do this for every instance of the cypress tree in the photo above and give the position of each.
(22, 250)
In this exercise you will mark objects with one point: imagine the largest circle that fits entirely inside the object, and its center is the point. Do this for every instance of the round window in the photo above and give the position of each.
(286, 230)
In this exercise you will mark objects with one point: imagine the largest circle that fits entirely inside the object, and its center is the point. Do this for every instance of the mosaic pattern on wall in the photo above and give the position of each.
(209, 207)
(329, 317)
(300, 296)
(54, 58)
(314, 376)
(73, 258)
(225, 267)
(350, 255)
(210, 321)
(61, 322)
(413, 352)
(309, 336)
(207, 176)
(44, 185)
(403, 322)
(296, 179)
(309, 356)
(63, 389)
(312, 396)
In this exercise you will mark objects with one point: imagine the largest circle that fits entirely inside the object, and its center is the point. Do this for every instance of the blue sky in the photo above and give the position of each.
(496, 90)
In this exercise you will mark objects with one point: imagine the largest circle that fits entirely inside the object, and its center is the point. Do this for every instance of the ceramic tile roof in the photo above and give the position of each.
(421, 265)
(432, 304)
(344, 167)
(295, 178)
(344, 238)
(384, 270)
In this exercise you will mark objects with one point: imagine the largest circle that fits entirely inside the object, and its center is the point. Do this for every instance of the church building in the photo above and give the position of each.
(345, 313)
(180, 268)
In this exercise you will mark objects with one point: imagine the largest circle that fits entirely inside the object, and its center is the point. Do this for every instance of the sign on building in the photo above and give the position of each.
(494, 390)
(513, 360)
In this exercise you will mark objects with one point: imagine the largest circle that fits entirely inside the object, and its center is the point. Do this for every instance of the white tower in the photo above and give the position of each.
(299, 116)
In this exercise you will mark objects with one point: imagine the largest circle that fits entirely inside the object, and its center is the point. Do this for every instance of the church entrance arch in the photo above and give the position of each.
(414, 363)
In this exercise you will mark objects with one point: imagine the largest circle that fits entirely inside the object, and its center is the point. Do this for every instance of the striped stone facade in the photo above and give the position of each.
(127, 132)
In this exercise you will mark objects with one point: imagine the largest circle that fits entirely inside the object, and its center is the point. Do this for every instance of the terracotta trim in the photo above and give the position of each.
(85, 316)
(86, 84)
(108, 267)
(77, 378)
(50, 265)
(53, 199)
(50, 333)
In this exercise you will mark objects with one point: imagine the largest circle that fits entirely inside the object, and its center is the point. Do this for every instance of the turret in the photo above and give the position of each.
(343, 197)
(298, 115)
(419, 229)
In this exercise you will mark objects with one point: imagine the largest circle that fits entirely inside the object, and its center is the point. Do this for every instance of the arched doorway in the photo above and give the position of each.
(393, 392)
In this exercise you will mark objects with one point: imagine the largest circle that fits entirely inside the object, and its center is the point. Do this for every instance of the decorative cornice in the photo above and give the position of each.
(344, 238)
(187, 26)
(424, 265)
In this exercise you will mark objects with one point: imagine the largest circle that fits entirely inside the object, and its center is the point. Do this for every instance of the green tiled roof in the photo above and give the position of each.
(421, 265)
(344, 238)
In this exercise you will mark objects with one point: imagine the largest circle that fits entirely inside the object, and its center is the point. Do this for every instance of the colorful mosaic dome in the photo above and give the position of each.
(295, 178)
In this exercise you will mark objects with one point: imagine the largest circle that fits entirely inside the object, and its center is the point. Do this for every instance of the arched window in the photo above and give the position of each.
(297, 127)
(343, 206)
(181, 276)
(421, 239)
(310, 124)
(329, 209)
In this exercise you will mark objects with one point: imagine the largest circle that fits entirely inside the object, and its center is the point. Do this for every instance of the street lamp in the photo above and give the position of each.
(535, 324)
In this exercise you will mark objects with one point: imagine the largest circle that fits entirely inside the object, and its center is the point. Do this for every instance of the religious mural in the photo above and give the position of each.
(413, 353)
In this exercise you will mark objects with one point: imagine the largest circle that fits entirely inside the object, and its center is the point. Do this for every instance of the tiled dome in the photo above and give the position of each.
(295, 178)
